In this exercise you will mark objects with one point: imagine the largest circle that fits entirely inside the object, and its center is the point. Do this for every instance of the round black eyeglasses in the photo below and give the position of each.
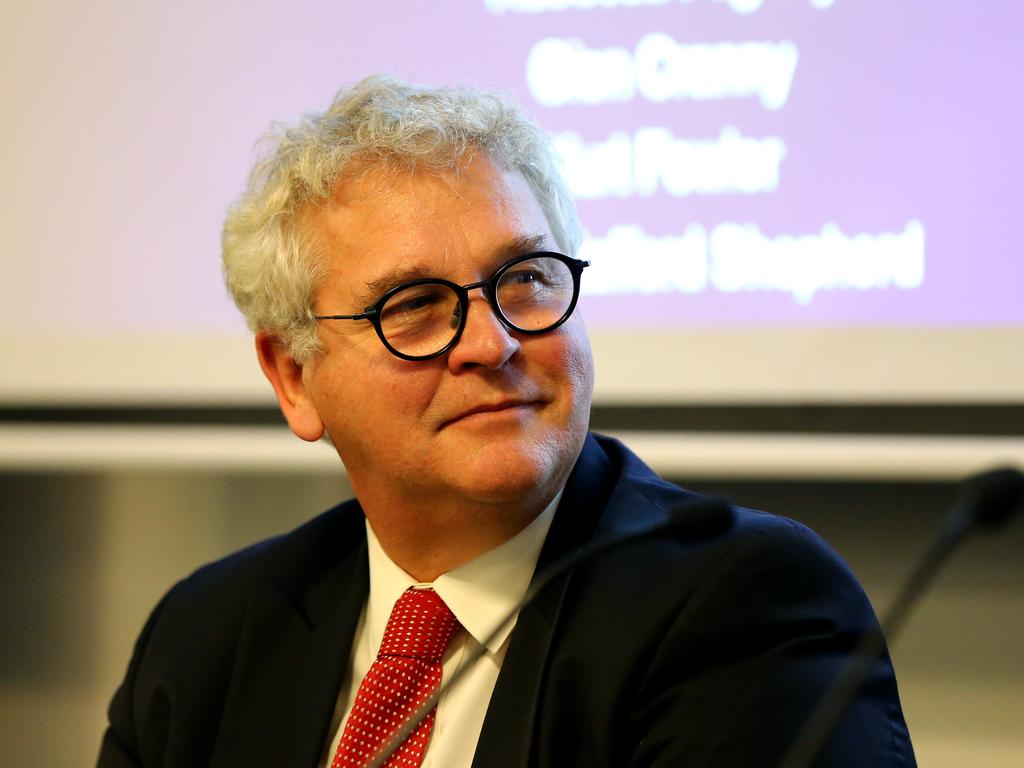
(534, 293)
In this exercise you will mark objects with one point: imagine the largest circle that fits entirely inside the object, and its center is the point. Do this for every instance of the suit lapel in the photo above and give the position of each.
(508, 735)
(293, 651)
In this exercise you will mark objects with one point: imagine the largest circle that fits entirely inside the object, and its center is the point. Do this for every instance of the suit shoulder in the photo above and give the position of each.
(754, 533)
(220, 588)
(775, 574)
(190, 640)
(786, 543)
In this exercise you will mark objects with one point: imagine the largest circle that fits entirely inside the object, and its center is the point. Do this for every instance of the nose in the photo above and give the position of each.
(485, 341)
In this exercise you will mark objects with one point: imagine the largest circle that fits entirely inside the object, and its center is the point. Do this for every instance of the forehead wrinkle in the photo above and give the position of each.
(377, 286)
(524, 244)
(381, 284)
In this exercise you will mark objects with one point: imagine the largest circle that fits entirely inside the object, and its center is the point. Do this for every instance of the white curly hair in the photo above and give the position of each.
(271, 264)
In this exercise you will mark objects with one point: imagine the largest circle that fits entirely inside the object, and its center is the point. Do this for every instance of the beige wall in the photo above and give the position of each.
(85, 555)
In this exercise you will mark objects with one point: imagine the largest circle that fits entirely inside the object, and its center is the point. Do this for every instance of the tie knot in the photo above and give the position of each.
(420, 627)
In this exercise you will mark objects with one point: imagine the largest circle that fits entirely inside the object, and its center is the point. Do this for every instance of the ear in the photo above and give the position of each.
(285, 376)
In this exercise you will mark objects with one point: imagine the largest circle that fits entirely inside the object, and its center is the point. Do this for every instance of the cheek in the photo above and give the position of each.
(579, 360)
(570, 365)
(381, 395)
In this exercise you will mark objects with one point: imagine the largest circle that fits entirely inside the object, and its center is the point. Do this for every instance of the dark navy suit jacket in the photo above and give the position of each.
(660, 654)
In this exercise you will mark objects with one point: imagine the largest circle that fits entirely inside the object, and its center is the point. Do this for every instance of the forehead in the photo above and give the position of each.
(387, 221)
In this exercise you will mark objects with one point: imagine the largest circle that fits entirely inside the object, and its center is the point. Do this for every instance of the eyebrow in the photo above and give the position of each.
(380, 285)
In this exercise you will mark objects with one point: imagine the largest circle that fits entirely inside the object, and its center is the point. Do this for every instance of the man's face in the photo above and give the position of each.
(499, 418)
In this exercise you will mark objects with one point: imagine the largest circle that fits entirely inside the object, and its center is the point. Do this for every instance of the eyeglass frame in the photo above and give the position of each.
(489, 288)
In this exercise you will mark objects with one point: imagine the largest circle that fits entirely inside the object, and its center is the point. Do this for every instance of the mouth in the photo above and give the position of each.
(488, 411)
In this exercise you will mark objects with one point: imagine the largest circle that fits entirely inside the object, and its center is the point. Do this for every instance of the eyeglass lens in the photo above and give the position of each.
(533, 295)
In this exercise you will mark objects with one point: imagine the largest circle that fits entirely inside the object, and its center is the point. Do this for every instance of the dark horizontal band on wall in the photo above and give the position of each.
(878, 419)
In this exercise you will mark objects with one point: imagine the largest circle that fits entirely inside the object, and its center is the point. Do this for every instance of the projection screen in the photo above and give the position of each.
(785, 200)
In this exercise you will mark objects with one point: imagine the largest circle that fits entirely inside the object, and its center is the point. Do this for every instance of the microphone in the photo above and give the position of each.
(688, 522)
(986, 502)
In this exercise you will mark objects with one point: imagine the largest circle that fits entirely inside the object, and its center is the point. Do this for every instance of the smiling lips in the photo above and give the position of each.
(505, 405)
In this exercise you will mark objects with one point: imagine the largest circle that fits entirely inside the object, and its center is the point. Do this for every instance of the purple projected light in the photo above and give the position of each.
(738, 163)
(763, 162)
(845, 165)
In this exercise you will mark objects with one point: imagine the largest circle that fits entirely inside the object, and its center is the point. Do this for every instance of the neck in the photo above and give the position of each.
(444, 537)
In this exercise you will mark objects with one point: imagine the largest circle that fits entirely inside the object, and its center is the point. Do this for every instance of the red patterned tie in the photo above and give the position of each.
(406, 672)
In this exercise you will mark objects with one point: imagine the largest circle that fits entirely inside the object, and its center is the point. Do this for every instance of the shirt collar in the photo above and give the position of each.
(480, 593)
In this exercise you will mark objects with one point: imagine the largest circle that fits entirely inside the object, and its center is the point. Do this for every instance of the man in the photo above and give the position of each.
(406, 260)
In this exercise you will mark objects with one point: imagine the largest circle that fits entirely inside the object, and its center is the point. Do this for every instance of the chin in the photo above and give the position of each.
(502, 473)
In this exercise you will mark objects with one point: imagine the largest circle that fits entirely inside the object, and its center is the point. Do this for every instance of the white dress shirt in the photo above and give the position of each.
(479, 593)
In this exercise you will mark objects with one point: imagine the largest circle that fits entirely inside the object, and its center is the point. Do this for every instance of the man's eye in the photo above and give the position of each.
(421, 302)
(525, 276)
(411, 305)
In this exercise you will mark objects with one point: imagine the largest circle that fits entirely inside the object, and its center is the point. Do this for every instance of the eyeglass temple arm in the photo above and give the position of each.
(367, 315)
